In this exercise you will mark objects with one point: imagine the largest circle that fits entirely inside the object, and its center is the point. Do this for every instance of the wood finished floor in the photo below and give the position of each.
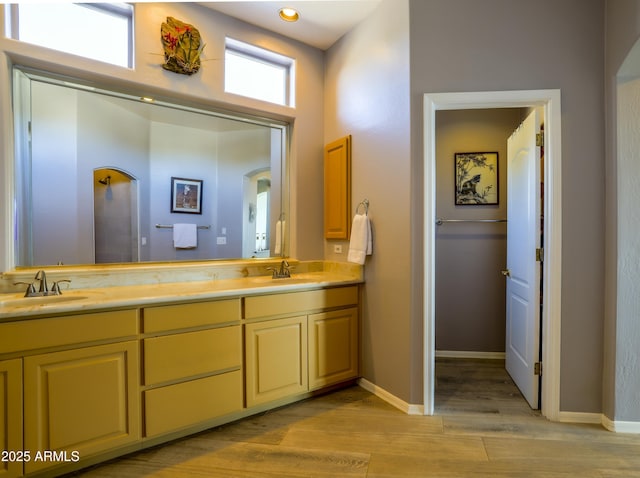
(482, 428)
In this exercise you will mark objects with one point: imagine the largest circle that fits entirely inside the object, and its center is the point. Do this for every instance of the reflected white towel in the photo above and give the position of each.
(277, 249)
(185, 236)
(361, 243)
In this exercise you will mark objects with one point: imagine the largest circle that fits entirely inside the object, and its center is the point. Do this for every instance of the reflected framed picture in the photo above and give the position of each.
(186, 195)
(476, 181)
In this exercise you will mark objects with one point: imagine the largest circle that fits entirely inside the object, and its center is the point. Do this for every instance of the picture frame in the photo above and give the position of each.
(476, 179)
(186, 195)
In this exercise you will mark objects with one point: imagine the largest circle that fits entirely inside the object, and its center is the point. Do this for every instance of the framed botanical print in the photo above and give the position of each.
(186, 195)
(476, 179)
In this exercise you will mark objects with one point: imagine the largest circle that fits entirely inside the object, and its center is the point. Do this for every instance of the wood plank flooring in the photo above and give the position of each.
(482, 428)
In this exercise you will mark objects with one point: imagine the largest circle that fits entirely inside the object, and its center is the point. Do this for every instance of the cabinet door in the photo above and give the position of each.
(333, 347)
(337, 189)
(84, 401)
(11, 416)
(276, 359)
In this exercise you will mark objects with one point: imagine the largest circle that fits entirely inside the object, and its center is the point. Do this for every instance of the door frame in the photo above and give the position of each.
(552, 273)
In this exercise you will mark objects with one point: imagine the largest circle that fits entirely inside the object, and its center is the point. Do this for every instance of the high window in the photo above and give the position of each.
(258, 73)
(102, 31)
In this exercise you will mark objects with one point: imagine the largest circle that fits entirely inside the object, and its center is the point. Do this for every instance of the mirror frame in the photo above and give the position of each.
(164, 100)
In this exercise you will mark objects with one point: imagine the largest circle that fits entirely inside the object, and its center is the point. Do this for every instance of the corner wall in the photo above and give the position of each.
(621, 384)
(367, 96)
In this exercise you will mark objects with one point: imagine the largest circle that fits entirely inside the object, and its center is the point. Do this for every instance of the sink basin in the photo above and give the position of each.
(39, 301)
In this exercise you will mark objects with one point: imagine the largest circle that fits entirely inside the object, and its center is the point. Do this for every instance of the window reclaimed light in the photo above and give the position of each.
(101, 31)
(258, 73)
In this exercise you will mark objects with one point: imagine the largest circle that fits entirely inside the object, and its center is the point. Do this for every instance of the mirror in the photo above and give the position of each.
(103, 177)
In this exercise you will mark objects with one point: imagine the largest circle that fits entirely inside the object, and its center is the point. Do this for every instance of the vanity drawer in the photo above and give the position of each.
(298, 302)
(191, 403)
(182, 316)
(70, 330)
(174, 357)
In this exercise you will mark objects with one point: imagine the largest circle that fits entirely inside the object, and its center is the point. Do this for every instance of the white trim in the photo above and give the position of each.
(381, 393)
(551, 313)
(619, 426)
(464, 354)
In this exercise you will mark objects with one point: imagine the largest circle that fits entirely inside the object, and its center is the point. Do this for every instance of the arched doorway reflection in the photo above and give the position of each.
(257, 192)
(115, 216)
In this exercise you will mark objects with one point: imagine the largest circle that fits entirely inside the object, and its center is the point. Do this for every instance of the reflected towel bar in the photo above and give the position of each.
(440, 221)
(169, 226)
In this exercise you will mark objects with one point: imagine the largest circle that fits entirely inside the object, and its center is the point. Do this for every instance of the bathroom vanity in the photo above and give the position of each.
(97, 373)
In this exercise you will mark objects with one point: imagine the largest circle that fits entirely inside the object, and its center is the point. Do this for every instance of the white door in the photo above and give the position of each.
(523, 270)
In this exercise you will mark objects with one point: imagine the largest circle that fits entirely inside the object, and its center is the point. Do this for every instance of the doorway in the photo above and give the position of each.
(115, 216)
(549, 100)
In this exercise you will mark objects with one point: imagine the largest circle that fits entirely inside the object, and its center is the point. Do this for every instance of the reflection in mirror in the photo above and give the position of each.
(94, 176)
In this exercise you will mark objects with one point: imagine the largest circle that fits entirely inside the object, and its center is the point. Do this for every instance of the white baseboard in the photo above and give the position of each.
(391, 399)
(620, 426)
(565, 417)
(469, 354)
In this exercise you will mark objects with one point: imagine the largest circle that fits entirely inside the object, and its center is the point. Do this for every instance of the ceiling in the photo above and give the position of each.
(321, 24)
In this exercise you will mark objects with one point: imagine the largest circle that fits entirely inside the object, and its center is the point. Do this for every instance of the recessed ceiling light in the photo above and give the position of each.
(289, 14)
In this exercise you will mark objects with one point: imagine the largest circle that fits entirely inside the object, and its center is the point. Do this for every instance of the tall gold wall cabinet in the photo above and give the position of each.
(97, 385)
(337, 189)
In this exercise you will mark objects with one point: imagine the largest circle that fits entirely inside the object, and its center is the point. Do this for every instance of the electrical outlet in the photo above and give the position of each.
(337, 248)
(221, 240)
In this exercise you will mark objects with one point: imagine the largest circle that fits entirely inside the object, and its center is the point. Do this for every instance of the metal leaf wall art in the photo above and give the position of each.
(182, 47)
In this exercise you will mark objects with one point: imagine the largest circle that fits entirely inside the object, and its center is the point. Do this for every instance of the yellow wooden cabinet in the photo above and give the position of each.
(81, 402)
(333, 347)
(192, 365)
(11, 418)
(276, 359)
(337, 189)
(300, 341)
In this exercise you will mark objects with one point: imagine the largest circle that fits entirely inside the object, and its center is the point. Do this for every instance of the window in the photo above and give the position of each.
(258, 73)
(94, 30)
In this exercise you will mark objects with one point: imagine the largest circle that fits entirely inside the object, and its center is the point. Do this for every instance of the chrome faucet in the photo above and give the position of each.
(43, 289)
(42, 277)
(283, 272)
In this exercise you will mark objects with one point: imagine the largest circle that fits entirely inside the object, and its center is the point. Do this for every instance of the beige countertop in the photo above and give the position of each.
(16, 306)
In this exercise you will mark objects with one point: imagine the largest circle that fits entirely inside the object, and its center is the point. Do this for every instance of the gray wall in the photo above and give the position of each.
(621, 326)
(367, 96)
(470, 290)
(465, 45)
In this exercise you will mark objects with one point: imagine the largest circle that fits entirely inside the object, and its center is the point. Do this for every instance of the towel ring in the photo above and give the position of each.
(365, 204)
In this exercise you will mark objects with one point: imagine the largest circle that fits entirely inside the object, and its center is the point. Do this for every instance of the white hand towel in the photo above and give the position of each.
(185, 236)
(277, 249)
(361, 243)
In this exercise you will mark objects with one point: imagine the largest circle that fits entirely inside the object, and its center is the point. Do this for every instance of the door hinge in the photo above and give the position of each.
(539, 254)
(537, 368)
(540, 139)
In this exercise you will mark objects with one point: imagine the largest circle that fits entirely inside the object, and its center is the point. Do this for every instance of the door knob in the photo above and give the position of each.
(506, 273)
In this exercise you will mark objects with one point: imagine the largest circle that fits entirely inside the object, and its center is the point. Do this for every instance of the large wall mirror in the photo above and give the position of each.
(104, 177)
